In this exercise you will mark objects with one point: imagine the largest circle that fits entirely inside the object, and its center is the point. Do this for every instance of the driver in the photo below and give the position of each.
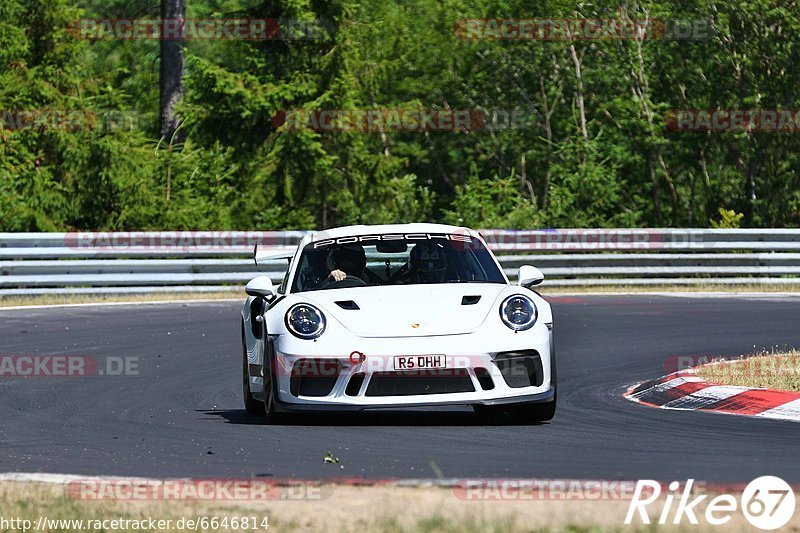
(346, 261)
(428, 262)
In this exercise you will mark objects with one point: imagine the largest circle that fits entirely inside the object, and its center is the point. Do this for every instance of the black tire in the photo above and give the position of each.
(534, 412)
(251, 405)
(525, 414)
(540, 412)
(268, 406)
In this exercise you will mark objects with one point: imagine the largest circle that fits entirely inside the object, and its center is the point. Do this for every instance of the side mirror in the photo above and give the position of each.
(529, 276)
(260, 286)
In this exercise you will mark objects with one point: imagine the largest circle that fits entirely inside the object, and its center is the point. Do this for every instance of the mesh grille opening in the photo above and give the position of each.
(354, 385)
(484, 379)
(520, 369)
(413, 382)
(314, 377)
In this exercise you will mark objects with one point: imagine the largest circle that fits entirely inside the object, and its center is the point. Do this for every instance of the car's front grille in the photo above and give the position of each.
(413, 382)
(484, 378)
(354, 385)
(314, 377)
(520, 369)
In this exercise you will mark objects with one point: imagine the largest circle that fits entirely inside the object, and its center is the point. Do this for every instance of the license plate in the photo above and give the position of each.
(419, 362)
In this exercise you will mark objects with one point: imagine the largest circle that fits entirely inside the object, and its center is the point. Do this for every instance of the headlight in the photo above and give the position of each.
(518, 312)
(305, 321)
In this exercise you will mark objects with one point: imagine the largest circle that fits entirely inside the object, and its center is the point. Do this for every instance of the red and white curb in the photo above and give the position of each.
(685, 391)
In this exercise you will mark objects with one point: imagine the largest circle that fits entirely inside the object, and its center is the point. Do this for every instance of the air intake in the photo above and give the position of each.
(470, 300)
(314, 377)
(520, 369)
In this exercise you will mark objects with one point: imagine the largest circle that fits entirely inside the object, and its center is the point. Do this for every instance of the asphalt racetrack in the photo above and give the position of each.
(183, 415)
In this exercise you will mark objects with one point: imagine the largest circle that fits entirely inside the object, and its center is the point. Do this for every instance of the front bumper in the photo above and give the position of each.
(513, 370)
(304, 406)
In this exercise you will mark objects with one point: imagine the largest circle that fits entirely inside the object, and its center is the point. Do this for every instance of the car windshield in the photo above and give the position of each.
(394, 259)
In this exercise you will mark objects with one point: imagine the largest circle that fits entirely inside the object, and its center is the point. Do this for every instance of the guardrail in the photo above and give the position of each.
(96, 262)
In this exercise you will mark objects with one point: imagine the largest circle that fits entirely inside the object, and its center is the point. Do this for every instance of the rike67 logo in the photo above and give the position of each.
(767, 502)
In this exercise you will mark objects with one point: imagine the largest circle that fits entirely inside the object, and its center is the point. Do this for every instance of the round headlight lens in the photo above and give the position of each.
(305, 321)
(518, 312)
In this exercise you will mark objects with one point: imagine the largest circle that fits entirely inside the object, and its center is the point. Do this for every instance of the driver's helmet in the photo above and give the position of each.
(428, 262)
(349, 258)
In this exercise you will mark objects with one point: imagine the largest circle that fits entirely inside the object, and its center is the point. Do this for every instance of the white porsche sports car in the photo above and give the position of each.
(397, 316)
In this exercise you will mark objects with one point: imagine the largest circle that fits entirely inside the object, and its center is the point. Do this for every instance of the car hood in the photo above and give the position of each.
(410, 310)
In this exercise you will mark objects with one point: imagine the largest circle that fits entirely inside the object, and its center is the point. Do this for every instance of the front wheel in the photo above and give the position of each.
(534, 412)
(251, 405)
(539, 412)
(268, 406)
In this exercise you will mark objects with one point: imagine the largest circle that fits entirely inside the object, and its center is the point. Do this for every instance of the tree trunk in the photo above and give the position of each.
(173, 13)
(579, 92)
(655, 191)
(750, 191)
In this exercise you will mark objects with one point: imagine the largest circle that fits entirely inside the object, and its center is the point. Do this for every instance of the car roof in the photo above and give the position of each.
(421, 227)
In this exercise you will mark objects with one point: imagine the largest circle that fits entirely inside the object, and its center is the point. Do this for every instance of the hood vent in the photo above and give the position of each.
(350, 305)
(470, 300)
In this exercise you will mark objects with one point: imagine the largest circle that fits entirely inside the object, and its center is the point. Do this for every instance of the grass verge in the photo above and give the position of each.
(345, 508)
(67, 299)
(779, 371)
